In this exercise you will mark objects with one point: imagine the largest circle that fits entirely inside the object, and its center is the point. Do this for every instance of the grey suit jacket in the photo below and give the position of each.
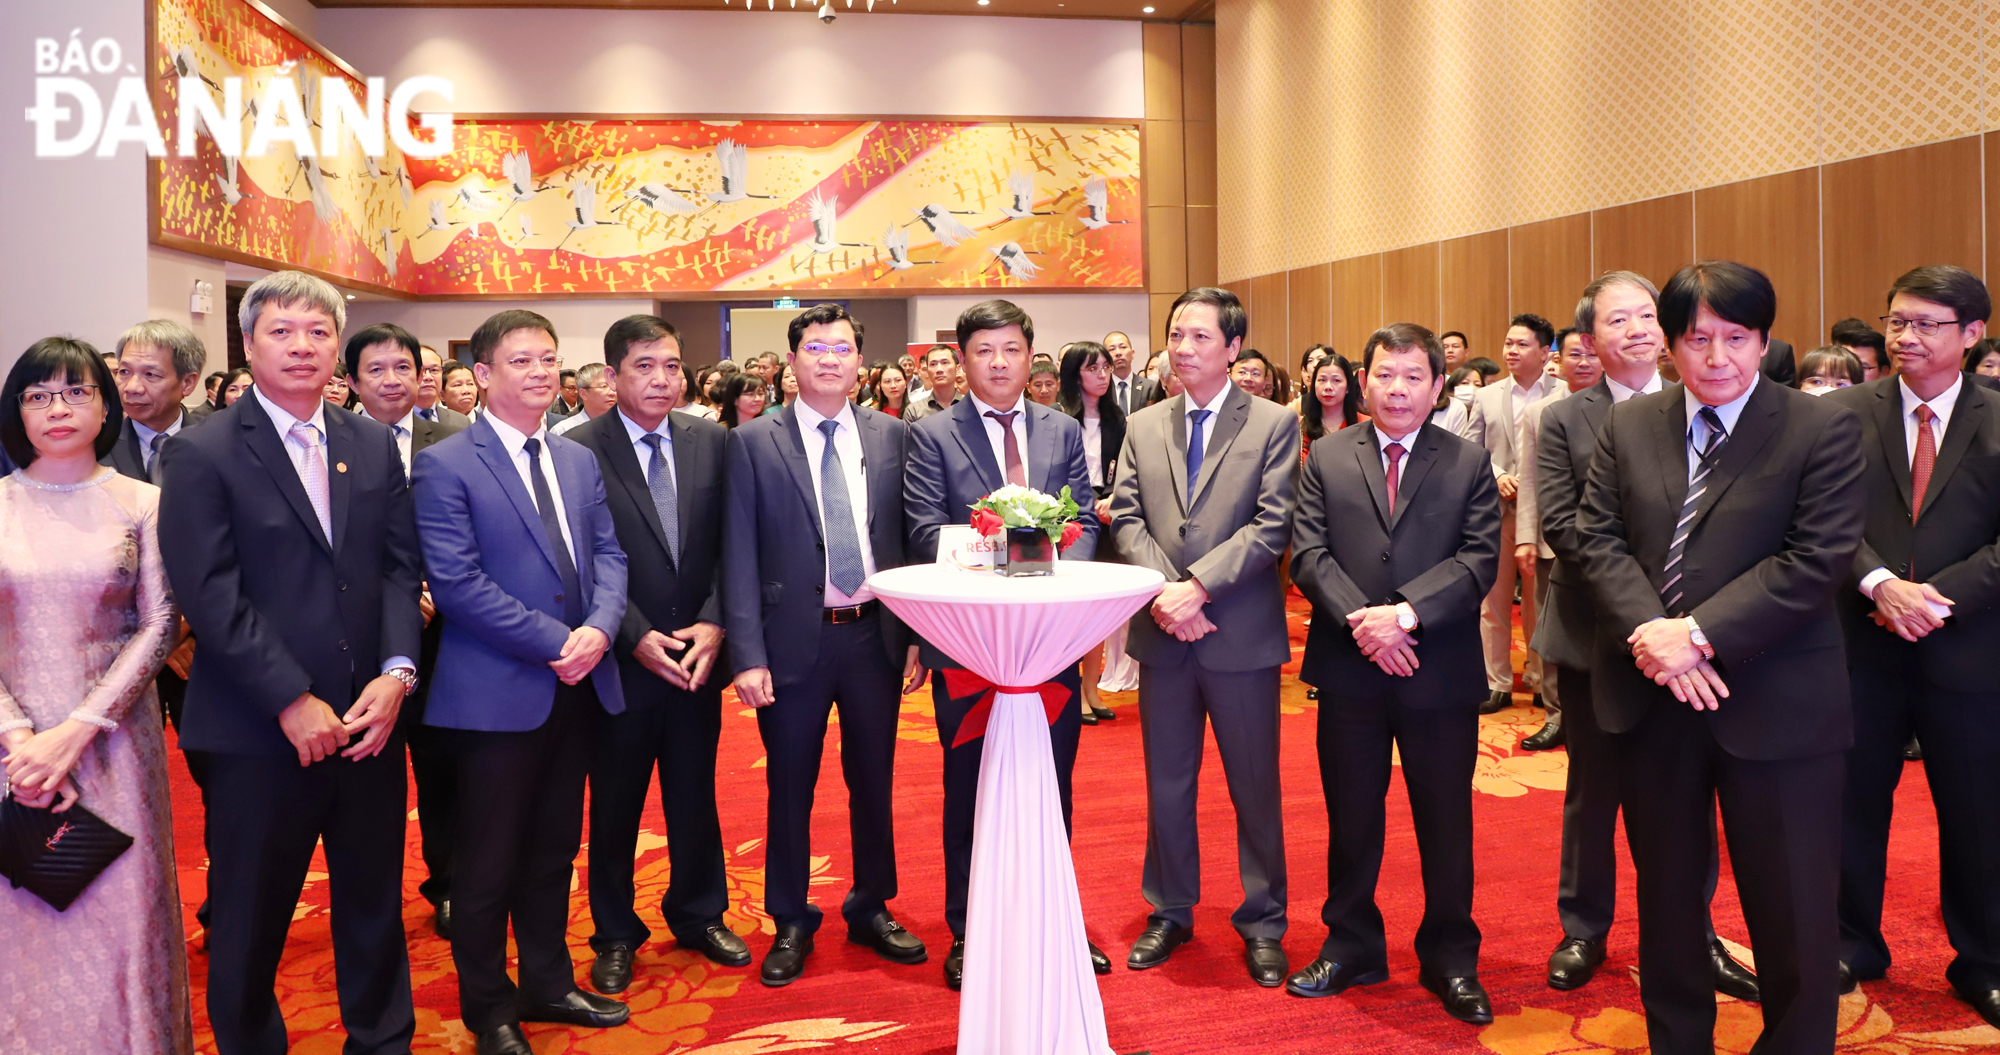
(1229, 537)
(449, 418)
(1564, 445)
(1491, 424)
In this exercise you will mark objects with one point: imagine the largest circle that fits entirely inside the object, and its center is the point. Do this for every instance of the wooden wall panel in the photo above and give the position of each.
(1311, 292)
(1653, 237)
(1161, 44)
(1157, 318)
(1772, 224)
(1356, 302)
(1410, 285)
(1269, 323)
(1198, 73)
(1198, 166)
(1200, 247)
(1886, 214)
(1473, 274)
(1548, 264)
(1166, 249)
(1163, 182)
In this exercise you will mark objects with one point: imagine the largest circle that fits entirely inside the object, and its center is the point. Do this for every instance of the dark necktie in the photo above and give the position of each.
(427, 413)
(1394, 452)
(1671, 592)
(1924, 462)
(153, 456)
(1016, 473)
(1194, 449)
(844, 567)
(1125, 397)
(660, 480)
(545, 503)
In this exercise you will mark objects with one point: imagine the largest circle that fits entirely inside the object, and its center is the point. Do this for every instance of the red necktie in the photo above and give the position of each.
(1395, 453)
(1920, 467)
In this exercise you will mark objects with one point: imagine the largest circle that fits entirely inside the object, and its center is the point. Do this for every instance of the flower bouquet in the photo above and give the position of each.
(1037, 525)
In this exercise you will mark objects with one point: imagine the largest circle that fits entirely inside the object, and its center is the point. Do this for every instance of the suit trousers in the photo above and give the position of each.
(1782, 819)
(1174, 705)
(1551, 698)
(1962, 762)
(961, 781)
(1587, 886)
(437, 808)
(678, 736)
(853, 672)
(1439, 748)
(266, 813)
(519, 827)
(1496, 618)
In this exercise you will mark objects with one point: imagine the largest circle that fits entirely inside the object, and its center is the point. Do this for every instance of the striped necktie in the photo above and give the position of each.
(1705, 457)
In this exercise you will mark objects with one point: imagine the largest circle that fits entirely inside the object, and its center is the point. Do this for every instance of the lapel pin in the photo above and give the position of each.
(340, 467)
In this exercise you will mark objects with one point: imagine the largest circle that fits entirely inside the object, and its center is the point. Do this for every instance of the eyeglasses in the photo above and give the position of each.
(523, 362)
(1924, 327)
(74, 395)
(431, 371)
(840, 351)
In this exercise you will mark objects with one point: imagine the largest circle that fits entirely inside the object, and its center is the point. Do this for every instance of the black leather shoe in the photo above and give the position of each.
(441, 922)
(612, 973)
(1574, 963)
(1323, 977)
(1157, 942)
(1496, 701)
(888, 938)
(787, 956)
(1463, 998)
(719, 944)
(1549, 735)
(1266, 959)
(1098, 961)
(503, 1040)
(1913, 751)
(1732, 978)
(1986, 1003)
(1847, 979)
(1089, 717)
(1537, 703)
(578, 1009)
(954, 965)
(1104, 714)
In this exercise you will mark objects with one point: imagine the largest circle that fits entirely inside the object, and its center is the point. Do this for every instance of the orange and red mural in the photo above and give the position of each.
(641, 205)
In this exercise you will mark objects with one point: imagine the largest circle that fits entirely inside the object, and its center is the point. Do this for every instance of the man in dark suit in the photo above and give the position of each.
(1204, 497)
(430, 392)
(526, 570)
(1779, 365)
(663, 482)
(383, 368)
(1398, 535)
(1131, 389)
(993, 439)
(1618, 317)
(1717, 521)
(814, 506)
(286, 531)
(1921, 623)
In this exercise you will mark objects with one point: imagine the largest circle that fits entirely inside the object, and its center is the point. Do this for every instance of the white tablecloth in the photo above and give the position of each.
(1029, 988)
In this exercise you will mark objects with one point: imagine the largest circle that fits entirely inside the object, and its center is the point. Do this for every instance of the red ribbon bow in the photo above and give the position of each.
(963, 683)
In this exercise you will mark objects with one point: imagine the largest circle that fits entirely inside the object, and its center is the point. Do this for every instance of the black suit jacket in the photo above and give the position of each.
(1110, 440)
(951, 466)
(1772, 538)
(1566, 630)
(128, 459)
(1779, 365)
(278, 610)
(422, 434)
(1954, 546)
(1439, 551)
(774, 554)
(663, 594)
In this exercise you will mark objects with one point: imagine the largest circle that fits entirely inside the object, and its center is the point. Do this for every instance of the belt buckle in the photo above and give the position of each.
(843, 616)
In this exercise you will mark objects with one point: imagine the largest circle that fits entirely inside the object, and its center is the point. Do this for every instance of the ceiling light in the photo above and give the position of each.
(1147, 10)
(350, 296)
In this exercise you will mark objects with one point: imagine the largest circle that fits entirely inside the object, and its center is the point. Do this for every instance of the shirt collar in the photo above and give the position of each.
(1941, 406)
(1619, 393)
(514, 439)
(1383, 439)
(809, 418)
(146, 435)
(979, 405)
(1213, 406)
(638, 432)
(284, 420)
(1728, 412)
(408, 424)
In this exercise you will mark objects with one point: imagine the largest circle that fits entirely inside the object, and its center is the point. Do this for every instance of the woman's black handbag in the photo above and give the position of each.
(56, 856)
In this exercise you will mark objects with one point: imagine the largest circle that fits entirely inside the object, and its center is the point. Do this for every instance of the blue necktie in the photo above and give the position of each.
(661, 481)
(843, 550)
(1194, 449)
(1671, 592)
(427, 413)
(545, 503)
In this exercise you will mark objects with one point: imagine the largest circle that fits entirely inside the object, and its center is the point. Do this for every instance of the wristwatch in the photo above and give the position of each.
(1698, 639)
(1406, 617)
(405, 675)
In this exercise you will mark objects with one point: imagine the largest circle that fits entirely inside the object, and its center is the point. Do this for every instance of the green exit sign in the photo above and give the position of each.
(785, 302)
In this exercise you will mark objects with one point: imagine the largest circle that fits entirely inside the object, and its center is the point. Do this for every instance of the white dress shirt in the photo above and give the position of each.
(405, 431)
(999, 441)
(644, 450)
(846, 447)
(1524, 396)
(1941, 408)
(284, 421)
(1122, 389)
(146, 435)
(516, 443)
(1093, 444)
(1729, 412)
(1619, 393)
(1383, 440)
(1214, 408)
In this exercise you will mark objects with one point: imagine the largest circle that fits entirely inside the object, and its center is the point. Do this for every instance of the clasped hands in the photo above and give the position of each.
(316, 732)
(1178, 610)
(698, 645)
(1904, 608)
(1663, 651)
(1383, 640)
(39, 764)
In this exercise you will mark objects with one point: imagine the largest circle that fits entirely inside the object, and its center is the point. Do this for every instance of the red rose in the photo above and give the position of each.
(1071, 532)
(987, 522)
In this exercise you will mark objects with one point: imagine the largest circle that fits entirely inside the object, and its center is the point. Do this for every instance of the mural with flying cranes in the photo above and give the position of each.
(643, 206)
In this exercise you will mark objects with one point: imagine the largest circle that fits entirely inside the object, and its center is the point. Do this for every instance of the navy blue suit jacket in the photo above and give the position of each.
(493, 577)
(773, 552)
(279, 611)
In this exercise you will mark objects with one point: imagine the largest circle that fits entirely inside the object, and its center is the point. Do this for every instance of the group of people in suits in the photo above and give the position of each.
(1753, 599)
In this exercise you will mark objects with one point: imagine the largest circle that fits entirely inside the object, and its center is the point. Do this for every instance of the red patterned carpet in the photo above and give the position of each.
(1202, 1002)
